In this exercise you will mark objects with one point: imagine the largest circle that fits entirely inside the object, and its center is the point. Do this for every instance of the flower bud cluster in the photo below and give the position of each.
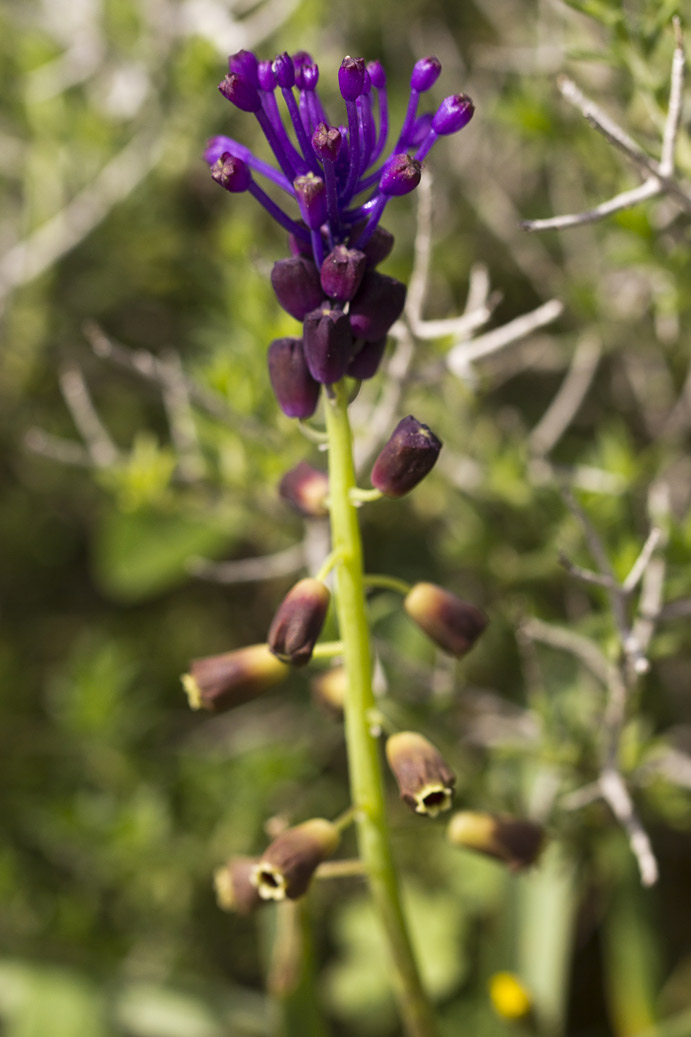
(340, 180)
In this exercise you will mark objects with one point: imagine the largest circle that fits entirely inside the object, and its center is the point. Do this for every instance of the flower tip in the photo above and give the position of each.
(424, 778)
(287, 865)
(401, 176)
(231, 173)
(351, 78)
(425, 74)
(192, 690)
(453, 114)
(238, 89)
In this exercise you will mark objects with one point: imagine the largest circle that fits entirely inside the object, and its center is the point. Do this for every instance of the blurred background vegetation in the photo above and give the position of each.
(117, 803)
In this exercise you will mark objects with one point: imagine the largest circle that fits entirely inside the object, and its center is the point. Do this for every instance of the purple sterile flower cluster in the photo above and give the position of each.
(341, 180)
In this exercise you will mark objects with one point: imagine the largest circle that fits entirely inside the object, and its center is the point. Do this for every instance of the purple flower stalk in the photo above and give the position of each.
(335, 176)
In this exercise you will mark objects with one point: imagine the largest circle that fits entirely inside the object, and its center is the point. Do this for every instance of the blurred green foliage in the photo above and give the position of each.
(116, 802)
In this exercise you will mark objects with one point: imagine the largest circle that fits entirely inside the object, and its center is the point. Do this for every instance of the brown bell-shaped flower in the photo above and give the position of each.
(514, 840)
(305, 489)
(298, 621)
(234, 890)
(451, 623)
(424, 778)
(219, 682)
(287, 865)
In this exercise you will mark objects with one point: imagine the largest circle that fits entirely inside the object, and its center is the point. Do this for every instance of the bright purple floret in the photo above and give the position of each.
(339, 180)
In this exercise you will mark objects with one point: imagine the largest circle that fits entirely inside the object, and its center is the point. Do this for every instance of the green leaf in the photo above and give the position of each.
(138, 555)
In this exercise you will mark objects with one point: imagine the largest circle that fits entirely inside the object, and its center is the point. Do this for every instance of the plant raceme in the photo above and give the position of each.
(337, 179)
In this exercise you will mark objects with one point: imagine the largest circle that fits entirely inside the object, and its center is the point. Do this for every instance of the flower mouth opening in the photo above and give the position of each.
(270, 882)
(433, 800)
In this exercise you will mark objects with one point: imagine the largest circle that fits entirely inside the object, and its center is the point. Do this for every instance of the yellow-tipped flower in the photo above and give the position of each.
(234, 889)
(510, 998)
(219, 682)
(287, 865)
(451, 623)
(424, 778)
(514, 840)
(298, 622)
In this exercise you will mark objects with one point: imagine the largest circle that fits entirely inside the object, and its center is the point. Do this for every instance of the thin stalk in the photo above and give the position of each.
(366, 782)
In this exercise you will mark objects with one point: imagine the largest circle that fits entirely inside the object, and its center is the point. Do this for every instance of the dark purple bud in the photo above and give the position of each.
(298, 622)
(453, 114)
(377, 74)
(265, 74)
(239, 91)
(296, 284)
(405, 460)
(401, 176)
(326, 141)
(328, 344)
(365, 363)
(425, 74)
(231, 173)
(244, 62)
(219, 682)
(377, 305)
(284, 70)
(424, 778)
(342, 272)
(454, 625)
(287, 865)
(295, 389)
(351, 78)
(378, 245)
(311, 195)
(305, 489)
(514, 840)
(234, 888)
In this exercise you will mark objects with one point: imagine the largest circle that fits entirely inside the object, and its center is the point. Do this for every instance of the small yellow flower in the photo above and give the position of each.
(510, 998)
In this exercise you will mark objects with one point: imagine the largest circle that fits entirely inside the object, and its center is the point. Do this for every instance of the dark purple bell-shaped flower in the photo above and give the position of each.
(295, 389)
(297, 286)
(366, 361)
(377, 305)
(342, 272)
(410, 453)
(328, 344)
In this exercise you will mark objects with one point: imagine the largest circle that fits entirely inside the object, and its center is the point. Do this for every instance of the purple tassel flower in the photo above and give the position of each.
(337, 178)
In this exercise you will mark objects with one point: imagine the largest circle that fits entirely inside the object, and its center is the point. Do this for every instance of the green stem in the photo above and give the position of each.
(385, 582)
(366, 781)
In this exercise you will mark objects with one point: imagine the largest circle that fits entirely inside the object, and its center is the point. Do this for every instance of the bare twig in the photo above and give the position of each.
(250, 570)
(569, 398)
(100, 446)
(625, 200)
(64, 451)
(659, 176)
(465, 353)
(674, 110)
(42, 247)
(587, 651)
(618, 797)
(183, 432)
